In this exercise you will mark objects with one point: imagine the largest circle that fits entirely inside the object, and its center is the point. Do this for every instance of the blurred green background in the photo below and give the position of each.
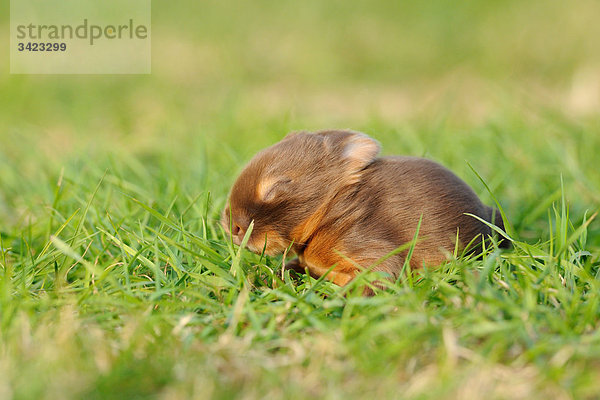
(510, 87)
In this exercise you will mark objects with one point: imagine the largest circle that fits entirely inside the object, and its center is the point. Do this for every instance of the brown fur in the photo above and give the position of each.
(330, 197)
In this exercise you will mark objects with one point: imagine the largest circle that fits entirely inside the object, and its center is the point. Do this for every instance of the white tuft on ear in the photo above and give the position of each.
(360, 150)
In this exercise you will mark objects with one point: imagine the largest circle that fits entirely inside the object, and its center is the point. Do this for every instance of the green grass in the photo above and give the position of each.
(117, 282)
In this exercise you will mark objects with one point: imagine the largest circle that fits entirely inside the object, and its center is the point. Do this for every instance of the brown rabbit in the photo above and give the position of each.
(330, 197)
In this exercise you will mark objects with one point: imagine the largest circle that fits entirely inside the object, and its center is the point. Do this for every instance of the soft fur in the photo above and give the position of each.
(330, 197)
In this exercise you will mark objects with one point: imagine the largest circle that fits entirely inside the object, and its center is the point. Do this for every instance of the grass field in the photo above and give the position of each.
(117, 282)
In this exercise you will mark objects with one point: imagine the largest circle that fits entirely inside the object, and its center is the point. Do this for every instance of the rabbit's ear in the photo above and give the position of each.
(356, 149)
(270, 189)
(360, 150)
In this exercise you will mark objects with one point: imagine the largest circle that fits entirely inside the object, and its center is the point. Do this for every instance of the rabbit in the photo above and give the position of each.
(329, 198)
